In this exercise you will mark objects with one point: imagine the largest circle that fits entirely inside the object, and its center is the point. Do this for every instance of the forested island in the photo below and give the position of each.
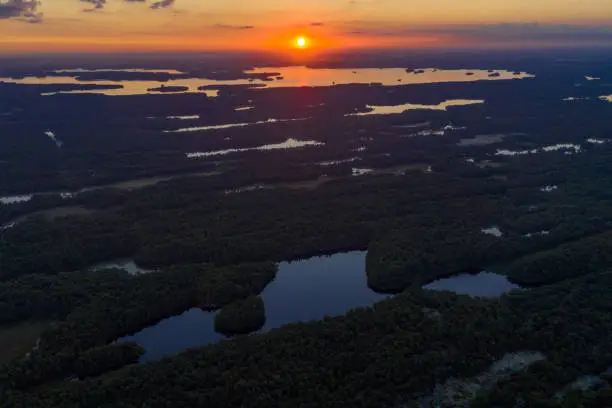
(241, 317)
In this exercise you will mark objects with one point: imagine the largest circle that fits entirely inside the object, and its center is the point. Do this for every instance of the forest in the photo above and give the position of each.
(316, 364)
(241, 317)
(212, 232)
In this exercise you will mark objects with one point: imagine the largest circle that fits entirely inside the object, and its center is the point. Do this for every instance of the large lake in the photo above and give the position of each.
(304, 290)
(293, 76)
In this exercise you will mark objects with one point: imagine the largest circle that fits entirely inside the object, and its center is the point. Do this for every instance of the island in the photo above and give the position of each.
(241, 317)
(169, 89)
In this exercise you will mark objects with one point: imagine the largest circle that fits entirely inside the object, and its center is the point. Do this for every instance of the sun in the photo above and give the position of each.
(301, 42)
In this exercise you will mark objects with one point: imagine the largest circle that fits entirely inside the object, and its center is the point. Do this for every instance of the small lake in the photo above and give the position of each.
(483, 284)
(292, 76)
(15, 199)
(287, 144)
(127, 265)
(229, 125)
(397, 109)
(303, 291)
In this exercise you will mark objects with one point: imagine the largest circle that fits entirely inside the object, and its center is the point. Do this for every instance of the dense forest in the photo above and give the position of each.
(424, 202)
(241, 317)
(377, 356)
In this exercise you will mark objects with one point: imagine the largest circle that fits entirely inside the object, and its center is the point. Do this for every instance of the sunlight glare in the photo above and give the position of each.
(301, 42)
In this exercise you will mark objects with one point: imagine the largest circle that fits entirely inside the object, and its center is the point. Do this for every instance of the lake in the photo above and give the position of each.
(396, 109)
(304, 290)
(287, 144)
(292, 76)
(483, 284)
(127, 265)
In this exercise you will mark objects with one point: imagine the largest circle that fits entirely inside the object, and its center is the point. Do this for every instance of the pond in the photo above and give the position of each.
(483, 284)
(292, 76)
(302, 291)
(15, 199)
(127, 265)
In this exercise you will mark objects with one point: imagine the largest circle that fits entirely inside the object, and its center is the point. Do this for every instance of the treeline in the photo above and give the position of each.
(393, 353)
(40, 368)
(241, 317)
(53, 297)
(533, 248)
(191, 220)
(116, 313)
(568, 260)
(94, 309)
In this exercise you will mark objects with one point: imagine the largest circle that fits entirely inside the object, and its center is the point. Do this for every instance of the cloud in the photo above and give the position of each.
(161, 4)
(317, 24)
(22, 10)
(233, 27)
(510, 32)
(503, 33)
(95, 4)
(154, 4)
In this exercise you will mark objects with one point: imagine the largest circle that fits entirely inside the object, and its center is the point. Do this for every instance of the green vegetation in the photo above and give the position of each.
(96, 308)
(19, 339)
(568, 260)
(218, 251)
(241, 317)
(376, 356)
(40, 368)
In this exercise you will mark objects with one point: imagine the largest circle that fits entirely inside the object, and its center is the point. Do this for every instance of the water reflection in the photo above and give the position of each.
(483, 284)
(130, 70)
(229, 125)
(567, 148)
(303, 291)
(396, 109)
(194, 328)
(15, 199)
(297, 76)
(494, 231)
(51, 135)
(548, 188)
(596, 141)
(186, 117)
(294, 76)
(127, 265)
(287, 144)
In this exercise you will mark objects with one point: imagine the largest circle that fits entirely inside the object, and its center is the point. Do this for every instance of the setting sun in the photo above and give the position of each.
(301, 42)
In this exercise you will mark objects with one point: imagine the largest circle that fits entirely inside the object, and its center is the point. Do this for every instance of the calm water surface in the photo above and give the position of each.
(302, 291)
(127, 265)
(294, 76)
(15, 199)
(483, 284)
(287, 144)
(396, 109)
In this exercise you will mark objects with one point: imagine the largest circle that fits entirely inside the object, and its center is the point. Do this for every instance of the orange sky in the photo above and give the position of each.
(63, 25)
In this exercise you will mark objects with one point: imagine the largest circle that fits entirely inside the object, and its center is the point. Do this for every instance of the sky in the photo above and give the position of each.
(194, 25)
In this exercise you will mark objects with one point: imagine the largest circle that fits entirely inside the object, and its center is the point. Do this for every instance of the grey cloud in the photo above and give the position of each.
(162, 4)
(496, 33)
(233, 27)
(22, 10)
(317, 24)
(95, 4)
(154, 4)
